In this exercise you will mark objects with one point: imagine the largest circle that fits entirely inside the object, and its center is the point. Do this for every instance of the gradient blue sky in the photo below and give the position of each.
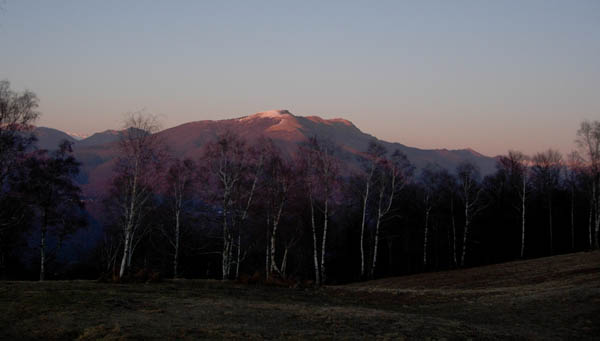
(490, 75)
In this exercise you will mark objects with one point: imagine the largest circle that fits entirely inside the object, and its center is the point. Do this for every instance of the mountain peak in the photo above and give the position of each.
(281, 113)
(285, 120)
(274, 113)
(287, 116)
(77, 136)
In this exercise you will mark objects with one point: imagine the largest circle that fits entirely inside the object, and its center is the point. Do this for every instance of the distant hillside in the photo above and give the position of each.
(98, 139)
(49, 138)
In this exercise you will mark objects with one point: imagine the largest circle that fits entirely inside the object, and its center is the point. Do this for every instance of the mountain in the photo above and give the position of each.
(98, 139)
(97, 152)
(287, 130)
(49, 138)
(76, 136)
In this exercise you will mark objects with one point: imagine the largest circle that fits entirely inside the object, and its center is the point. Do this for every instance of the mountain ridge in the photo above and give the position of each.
(98, 151)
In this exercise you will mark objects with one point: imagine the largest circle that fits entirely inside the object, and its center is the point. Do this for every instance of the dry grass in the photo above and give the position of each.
(551, 298)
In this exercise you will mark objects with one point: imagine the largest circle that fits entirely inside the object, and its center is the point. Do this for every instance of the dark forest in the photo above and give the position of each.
(246, 210)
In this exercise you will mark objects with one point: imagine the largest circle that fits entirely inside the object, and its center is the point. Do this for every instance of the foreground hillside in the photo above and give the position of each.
(551, 298)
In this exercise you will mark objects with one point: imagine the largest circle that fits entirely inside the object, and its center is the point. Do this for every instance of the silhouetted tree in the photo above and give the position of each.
(392, 174)
(372, 158)
(546, 171)
(319, 171)
(588, 140)
(431, 181)
(517, 170)
(180, 184)
(234, 168)
(55, 196)
(17, 113)
(448, 188)
(573, 171)
(137, 169)
(469, 193)
(278, 179)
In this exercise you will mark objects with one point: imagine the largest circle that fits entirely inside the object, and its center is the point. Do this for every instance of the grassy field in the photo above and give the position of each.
(550, 298)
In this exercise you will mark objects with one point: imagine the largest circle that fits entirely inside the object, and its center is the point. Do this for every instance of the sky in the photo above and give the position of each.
(488, 75)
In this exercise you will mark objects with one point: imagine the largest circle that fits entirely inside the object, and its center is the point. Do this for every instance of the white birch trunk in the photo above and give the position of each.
(239, 250)
(425, 237)
(125, 253)
(453, 232)
(590, 225)
(363, 223)
(572, 219)
(597, 220)
(132, 246)
(273, 262)
(465, 234)
(129, 254)
(43, 249)
(550, 225)
(226, 238)
(284, 262)
(324, 241)
(126, 260)
(523, 199)
(381, 212)
(179, 189)
(315, 251)
(225, 253)
(276, 221)
(377, 225)
(375, 247)
(176, 253)
(230, 254)
(362, 231)
(267, 250)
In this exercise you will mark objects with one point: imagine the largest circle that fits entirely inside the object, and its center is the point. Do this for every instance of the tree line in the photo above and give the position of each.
(245, 208)
(38, 192)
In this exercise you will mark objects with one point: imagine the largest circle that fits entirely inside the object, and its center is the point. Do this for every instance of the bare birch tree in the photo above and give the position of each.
(278, 179)
(517, 169)
(235, 169)
(588, 140)
(546, 171)
(431, 180)
(307, 158)
(448, 189)
(320, 170)
(136, 178)
(392, 174)
(470, 191)
(17, 113)
(573, 171)
(180, 182)
(52, 191)
(372, 158)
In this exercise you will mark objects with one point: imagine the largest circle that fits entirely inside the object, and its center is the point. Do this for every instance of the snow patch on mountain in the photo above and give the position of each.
(77, 136)
(268, 114)
(286, 121)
